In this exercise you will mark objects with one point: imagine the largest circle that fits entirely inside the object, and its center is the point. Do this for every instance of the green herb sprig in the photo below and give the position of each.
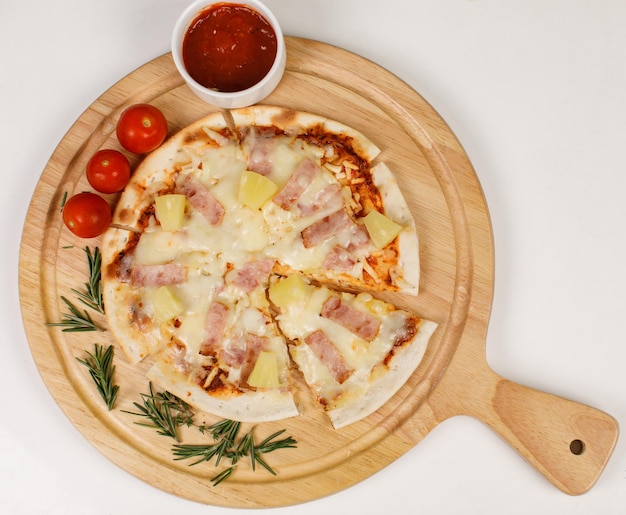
(224, 433)
(102, 370)
(227, 446)
(164, 412)
(75, 320)
(92, 296)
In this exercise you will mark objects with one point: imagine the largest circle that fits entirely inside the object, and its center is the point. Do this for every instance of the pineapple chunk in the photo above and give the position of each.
(165, 304)
(170, 211)
(291, 290)
(381, 229)
(265, 371)
(255, 189)
(376, 306)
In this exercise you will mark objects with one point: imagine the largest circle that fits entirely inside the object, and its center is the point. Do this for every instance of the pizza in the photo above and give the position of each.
(243, 261)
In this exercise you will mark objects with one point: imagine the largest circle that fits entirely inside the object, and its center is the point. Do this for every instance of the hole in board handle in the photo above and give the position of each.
(577, 447)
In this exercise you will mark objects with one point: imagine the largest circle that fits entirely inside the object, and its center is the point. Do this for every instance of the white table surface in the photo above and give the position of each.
(535, 90)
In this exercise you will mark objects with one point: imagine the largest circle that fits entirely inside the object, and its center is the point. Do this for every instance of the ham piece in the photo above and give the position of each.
(251, 275)
(202, 199)
(214, 326)
(362, 324)
(299, 181)
(323, 229)
(328, 354)
(234, 353)
(158, 275)
(359, 238)
(339, 259)
(260, 158)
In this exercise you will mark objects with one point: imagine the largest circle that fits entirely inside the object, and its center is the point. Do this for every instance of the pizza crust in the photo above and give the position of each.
(292, 122)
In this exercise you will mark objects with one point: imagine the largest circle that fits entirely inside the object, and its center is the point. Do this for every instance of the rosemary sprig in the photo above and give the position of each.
(224, 432)
(243, 447)
(92, 296)
(164, 412)
(101, 369)
(223, 475)
(75, 321)
(227, 446)
(270, 444)
(225, 429)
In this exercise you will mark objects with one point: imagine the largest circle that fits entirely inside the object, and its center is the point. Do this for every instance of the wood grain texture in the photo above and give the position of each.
(456, 249)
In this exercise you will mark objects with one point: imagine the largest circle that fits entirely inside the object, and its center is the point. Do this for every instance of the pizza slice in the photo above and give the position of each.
(354, 351)
(229, 358)
(332, 213)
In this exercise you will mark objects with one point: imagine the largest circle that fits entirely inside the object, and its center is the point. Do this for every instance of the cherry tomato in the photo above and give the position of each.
(108, 171)
(141, 128)
(87, 214)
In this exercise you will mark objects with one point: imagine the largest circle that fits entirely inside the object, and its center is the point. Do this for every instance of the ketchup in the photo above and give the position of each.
(229, 47)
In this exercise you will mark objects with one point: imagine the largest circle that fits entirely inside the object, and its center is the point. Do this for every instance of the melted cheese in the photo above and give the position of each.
(244, 234)
(210, 251)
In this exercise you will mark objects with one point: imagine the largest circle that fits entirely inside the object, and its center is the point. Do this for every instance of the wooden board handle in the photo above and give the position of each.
(568, 442)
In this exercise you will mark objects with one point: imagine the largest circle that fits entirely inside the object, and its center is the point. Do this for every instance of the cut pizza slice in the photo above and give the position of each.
(354, 351)
(374, 248)
(333, 213)
(230, 359)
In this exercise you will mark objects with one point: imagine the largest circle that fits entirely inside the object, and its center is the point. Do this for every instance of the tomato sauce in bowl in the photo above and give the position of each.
(231, 54)
(229, 47)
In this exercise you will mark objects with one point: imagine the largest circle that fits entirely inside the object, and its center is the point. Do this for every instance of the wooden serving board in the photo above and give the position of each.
(568, 442)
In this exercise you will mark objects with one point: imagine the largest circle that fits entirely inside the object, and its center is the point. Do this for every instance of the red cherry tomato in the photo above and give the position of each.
(141, 128)
(108, 171)
(87, 215)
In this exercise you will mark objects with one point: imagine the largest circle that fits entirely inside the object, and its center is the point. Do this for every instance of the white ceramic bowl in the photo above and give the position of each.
(230, 100)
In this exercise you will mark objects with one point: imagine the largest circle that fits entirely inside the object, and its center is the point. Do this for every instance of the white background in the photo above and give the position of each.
(534, 90)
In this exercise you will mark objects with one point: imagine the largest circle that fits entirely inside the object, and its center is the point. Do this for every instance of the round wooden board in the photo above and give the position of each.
(456, 254)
